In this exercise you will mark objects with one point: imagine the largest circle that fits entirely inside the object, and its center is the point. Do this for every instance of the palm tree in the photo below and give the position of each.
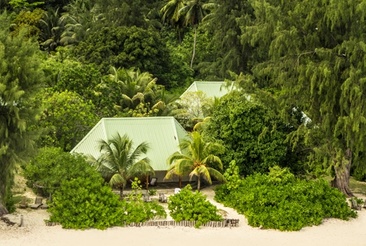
(52, 27)
(131, 90)
(170, 11)
(171, 14)
(183, 13)
(197, 160)
(193, 12)
(119, 162)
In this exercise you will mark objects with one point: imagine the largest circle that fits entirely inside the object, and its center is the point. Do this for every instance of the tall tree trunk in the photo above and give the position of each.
(342, 174)
(4, 183)
(199, 182)
(3, 210)
(194, 46)
(180, 181)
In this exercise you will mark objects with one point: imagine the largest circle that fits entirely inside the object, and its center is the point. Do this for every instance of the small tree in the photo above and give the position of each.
(119, 161)
(197, 160)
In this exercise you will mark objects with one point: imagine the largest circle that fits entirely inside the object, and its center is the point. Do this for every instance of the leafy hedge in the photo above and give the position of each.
(192, 206)
(281, 201)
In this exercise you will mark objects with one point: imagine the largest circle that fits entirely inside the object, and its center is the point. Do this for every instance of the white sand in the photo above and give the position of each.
(35, 233)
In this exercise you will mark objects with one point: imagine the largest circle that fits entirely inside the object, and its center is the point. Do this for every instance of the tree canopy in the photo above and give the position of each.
(312, 55)
(306, 58)
(20, 78)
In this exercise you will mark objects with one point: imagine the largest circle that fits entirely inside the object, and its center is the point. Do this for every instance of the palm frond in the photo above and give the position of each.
(141, 167)
(117, 179)
(216, 174)
(204, 173)
(213, 160)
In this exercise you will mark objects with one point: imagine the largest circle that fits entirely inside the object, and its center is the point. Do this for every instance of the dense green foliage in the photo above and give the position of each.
(20, 79)
(312, 54)
(224, 32)
(305, 55)
(51, 166)
(198, 159)
(130, 92)
(85, 202)
(279, 200)
(65, 73)
(66, 119)
(192, 206)
(126, 47)
(252, 134)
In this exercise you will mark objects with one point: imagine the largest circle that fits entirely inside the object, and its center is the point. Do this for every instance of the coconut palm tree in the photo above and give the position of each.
(119, 161)
(170, 13)
(197, 160)
(193, 12)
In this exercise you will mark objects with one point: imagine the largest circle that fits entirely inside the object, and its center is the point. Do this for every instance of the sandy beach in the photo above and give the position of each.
(34, 232)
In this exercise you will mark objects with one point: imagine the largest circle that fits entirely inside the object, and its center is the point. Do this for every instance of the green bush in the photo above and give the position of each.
(51, 166)
(192, 206)
(136, 210)
(139, 211)
(85, 202)
(281, 201)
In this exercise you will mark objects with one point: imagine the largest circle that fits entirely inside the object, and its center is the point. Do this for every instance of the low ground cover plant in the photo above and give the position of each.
(192, 206)
(279, 200)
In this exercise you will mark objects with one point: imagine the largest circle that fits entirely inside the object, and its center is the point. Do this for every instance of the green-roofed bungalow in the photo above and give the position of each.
(210, 88)
(163, 134)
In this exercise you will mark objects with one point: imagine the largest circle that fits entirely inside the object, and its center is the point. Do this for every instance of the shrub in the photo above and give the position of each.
(136, 210)
(85, 202)
(232, 183)
(139, 211)
(51, 166)
(281, 201)
(192, 206)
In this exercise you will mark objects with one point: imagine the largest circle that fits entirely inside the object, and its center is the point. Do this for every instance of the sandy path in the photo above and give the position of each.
(332, 232)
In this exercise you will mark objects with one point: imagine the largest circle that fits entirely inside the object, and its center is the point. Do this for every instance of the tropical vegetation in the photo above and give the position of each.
(298, 68)
(192, 206)
(120, 161)
(85, 202)
(279, 200)
(197, 159)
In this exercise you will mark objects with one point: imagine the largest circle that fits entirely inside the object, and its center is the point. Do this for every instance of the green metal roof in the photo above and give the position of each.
(163, 134)
(210, 88)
